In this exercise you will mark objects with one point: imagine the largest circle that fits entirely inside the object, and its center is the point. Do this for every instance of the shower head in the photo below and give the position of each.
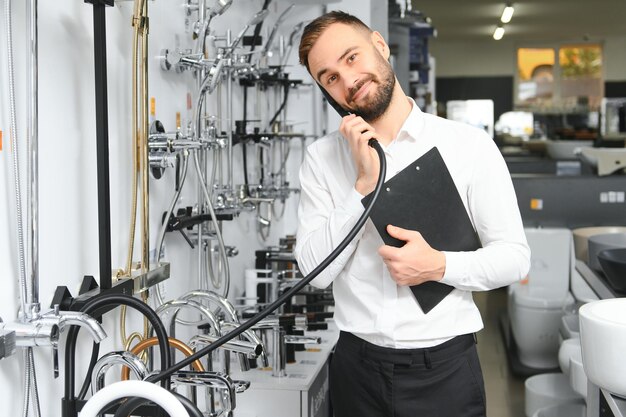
(218, 7)
(256, 19)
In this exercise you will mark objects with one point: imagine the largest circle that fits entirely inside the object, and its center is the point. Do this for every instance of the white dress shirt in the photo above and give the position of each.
(368, 302)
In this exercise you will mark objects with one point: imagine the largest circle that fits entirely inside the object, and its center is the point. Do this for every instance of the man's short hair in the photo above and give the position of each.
(314, 30)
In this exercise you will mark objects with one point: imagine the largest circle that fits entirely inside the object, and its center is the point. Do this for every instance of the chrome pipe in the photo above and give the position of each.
(300, 321)
(251, 350)
(302, 340)
(229, 120)
(279, 354)
(176, 145)
(32, 303)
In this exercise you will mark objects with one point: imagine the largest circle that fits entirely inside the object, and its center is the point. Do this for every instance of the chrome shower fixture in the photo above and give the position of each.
(218, 7)
(256, 19)
(45, 329)
(292, 38)
(279, 21)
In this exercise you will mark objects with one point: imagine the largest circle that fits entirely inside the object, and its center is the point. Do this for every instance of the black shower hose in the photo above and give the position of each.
(166, 373)
(92, 307)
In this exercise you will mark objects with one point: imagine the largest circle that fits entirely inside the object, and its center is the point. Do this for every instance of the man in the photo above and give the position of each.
(392, 359)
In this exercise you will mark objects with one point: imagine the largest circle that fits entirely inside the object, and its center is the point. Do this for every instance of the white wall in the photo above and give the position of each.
(497, 58)
(615, 58)
(67, 159)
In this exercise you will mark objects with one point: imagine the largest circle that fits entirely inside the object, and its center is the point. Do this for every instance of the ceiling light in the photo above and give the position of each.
(498, 33)
(507, 14)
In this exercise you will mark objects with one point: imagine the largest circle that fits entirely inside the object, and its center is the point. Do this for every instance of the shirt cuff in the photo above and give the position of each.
(456, 271)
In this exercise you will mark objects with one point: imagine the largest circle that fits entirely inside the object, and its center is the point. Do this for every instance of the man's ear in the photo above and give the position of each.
(380, 44)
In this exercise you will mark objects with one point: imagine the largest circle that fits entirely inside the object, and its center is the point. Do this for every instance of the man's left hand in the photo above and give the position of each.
(414, 263)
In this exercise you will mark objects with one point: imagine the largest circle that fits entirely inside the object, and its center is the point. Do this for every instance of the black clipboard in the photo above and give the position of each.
(423, 197)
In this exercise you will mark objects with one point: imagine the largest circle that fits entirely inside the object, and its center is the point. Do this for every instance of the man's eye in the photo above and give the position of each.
(352, 57)
(331, 79)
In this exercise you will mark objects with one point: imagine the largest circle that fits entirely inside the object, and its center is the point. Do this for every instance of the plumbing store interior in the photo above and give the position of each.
(149, 158)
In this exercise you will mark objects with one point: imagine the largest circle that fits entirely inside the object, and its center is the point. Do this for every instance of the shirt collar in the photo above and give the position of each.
(413, 124)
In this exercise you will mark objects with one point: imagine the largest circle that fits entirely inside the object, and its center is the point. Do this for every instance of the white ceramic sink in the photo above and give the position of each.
(603, 340)
(577, 376)
(567, 350)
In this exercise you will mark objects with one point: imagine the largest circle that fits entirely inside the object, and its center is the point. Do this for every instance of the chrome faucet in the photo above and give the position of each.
(168, 312)
(231, 323)
(44, 330)
(279, 352)
(74, 318)
(124, 358)
(213, 297)
(250, 336)
(243, 349)
(213, 381)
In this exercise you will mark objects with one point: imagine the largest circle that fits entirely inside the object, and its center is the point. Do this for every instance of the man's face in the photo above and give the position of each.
(351, 65)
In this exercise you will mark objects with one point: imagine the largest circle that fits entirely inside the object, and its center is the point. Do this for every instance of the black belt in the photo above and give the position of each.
(425, 356)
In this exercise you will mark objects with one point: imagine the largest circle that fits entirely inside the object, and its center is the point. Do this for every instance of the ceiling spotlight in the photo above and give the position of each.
(507, 13)
(498, 33)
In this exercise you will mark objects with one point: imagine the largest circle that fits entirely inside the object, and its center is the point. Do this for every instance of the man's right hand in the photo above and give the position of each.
(358, 133)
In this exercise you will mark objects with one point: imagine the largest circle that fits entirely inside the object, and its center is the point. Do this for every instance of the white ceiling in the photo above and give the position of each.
(534, 20)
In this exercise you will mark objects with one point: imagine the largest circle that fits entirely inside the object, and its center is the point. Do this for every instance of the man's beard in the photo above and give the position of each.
(375, 107)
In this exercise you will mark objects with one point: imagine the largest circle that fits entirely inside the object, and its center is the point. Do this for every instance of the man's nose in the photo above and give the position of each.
(350, 81)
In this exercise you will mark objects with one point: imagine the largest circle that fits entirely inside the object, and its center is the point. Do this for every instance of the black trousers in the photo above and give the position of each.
(371, 381)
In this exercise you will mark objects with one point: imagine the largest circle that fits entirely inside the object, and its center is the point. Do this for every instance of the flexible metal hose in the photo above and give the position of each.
(33, 386)
(207, 86)
(218, 232)
(15, 154)
(27, 381)
(145, 239)
(161, 237)
(214, 276)
(135, 145)
(140, 159)
(139, 131)
(31, 392)
(170, 210)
